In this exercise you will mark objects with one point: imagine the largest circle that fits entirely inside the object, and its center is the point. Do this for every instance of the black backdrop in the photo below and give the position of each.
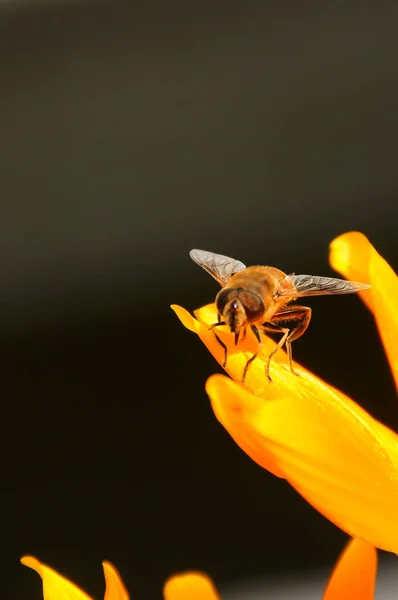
(129, 135)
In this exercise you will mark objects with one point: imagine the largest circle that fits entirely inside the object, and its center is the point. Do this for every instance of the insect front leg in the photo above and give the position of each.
(260, 345)
(302, 316)
(212, 327)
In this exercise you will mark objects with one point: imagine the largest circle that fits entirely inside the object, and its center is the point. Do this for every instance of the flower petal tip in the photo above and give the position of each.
(349, 255)
(354, 576)
(31, 562)
(185, 317)
(115, 588)
(191, 584)
(343, 244)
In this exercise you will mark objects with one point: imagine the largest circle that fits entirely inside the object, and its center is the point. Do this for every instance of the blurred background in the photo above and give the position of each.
(131, 133)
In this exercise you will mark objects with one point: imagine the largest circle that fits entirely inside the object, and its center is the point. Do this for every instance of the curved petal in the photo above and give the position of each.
(237, 356)
(114, 586)
(342, 461)
(352, 255)
(186, 319)
(190, 585)
(354, 576)
(55, 587)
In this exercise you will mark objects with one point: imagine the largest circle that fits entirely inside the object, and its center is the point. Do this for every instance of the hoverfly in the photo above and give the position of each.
(259, 297)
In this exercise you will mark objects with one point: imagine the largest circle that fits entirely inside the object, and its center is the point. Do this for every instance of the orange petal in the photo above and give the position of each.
(114, 586)
(238, 356)
(190, 586)
(55, 587)
(342, 461)
(354, 576)
(352, 255)
(186, 319)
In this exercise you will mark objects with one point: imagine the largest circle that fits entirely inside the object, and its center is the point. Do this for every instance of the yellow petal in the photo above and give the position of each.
(237, 358)
(239, 355)
(55, 587)
(342, 461)
(190, 586)
(354, 576)
(186, 319)
(352, 255)
(114, 586)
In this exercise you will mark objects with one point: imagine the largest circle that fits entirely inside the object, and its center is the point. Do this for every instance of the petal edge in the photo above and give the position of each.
(354, 576)
(191, 585)
(354, 257)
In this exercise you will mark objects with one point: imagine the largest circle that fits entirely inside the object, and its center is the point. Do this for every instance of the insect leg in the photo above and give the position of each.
(301, 314)
(260, 345)
(212, 327)
(275, 329)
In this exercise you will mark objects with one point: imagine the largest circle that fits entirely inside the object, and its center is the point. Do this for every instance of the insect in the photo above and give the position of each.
(260, 297)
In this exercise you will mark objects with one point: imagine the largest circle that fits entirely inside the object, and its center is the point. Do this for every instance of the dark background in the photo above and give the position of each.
(129, 135)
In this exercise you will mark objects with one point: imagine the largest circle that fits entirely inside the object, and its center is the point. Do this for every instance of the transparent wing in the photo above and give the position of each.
(311, 285)
(220, 267)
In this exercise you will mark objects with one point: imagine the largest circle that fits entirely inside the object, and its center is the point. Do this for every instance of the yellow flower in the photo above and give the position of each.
(340, 459)
(352, 579)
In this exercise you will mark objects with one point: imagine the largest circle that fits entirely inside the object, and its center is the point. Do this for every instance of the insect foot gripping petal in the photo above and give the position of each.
(256, 332)
(212, 327)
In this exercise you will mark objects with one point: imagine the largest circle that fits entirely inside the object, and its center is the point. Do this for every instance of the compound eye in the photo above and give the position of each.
(252, 304)
(222, 298)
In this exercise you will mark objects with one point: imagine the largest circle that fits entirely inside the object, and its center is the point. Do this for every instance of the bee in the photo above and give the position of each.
(260, 297)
